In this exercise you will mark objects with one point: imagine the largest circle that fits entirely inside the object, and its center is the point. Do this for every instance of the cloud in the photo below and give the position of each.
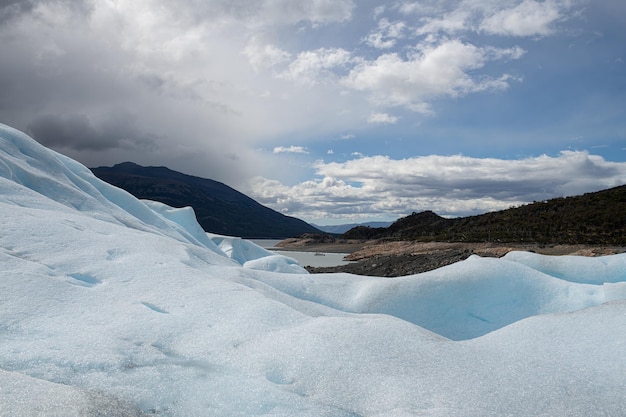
(381, 118)
(257, 14)
(378, 11)
(201, 86)
(290, 12)
(452, 22)
(78, 132)
(378, 186)
(290, 149)
(262, 55)
(386, 35)
(310, 66)
(529, 18)
(214, 64)
(418, 7)
(9, 9)
(431, 71)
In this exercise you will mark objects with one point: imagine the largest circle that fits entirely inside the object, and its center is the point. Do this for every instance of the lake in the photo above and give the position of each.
(304, 258)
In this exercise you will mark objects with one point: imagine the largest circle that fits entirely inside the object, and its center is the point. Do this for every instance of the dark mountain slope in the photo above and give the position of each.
(219, 208)
(592, 218)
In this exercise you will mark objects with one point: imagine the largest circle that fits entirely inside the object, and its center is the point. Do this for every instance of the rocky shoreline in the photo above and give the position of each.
(399, 258)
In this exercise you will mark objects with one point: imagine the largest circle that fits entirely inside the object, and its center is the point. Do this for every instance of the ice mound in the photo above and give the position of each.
(38, 177)
(597, 270)
(110, 306)
(460, 301)
(253, 256)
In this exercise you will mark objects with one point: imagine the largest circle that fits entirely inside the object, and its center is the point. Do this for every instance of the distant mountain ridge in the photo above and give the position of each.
(219, 208)
(592, 218)
(342, 228)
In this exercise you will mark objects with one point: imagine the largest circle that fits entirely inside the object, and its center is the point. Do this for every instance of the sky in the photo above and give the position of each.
(333, 111)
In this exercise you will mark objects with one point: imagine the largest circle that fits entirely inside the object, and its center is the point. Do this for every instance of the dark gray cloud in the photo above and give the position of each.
(10, 9)
(155, 82)
(77, 132)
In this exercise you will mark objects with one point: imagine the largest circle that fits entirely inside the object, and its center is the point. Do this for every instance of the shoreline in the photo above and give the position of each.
(348, 248)
(364, 249)
(400, 258)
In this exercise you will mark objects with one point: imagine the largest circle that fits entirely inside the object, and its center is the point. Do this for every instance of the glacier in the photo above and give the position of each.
(112, 306)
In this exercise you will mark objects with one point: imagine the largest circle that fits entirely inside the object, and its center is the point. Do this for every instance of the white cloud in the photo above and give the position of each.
(418, 7)
(431, 71)
(381, 118)
(529, 18)
(449, 185)
(508, 18)
(290, 149)
(378, 11)
(386, 35)
(263, 55)
(452, 22)
(309, 66)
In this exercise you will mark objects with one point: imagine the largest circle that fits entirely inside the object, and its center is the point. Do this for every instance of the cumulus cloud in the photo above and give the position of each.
(262, 55)
(290, 149)
(451, 22)
(381, 118)
(418, 7)
(505, 18)
(387, 34)
(310, 66)
(455, 185)
(529, 18)
(430, 71)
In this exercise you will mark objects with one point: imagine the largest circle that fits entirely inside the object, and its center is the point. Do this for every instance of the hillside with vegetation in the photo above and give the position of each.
(597, 218)
(219, 208)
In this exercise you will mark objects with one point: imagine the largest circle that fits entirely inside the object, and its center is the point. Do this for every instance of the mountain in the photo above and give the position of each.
(219, 208)
(342, 228)
(592, 218)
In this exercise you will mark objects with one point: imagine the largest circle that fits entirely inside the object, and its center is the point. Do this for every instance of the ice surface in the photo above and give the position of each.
(253, 256)
(111, 306)
(460, 301)
(574, 268)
